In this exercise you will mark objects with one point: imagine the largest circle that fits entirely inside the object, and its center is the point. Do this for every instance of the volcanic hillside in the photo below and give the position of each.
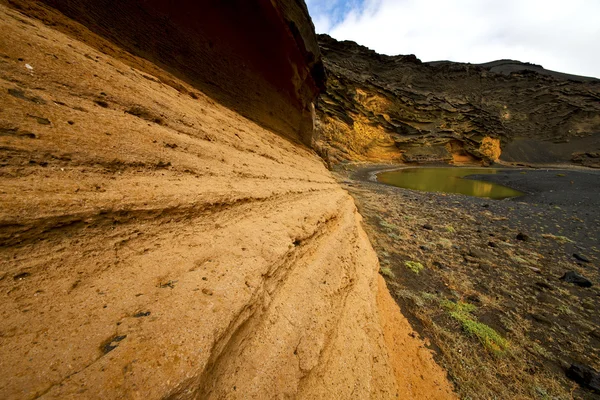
(397, 108)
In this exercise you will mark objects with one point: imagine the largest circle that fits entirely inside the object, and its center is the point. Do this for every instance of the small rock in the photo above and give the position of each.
(523, 237)
(473, 298)
(424, 248)
(576, 279)
(536, 270)
(585, 376)
(207, 291)
(428, 227)
(477, 253)
(492, 244)
(439, 265)
(141, 314)
(581, 258)
(485, 267)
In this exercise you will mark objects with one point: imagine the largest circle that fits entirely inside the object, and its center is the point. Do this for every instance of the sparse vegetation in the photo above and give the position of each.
(387, 272)
(491, 340)
(560, 239)
(414, 266)
(388, 225)
(409, 295)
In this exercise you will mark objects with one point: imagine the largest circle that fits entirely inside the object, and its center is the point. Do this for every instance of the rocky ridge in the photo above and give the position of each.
(397, 108)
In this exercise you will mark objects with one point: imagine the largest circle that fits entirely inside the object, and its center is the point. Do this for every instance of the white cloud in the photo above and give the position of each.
(558, 34)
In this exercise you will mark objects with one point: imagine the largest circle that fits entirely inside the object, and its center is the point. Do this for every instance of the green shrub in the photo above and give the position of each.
(414, 266)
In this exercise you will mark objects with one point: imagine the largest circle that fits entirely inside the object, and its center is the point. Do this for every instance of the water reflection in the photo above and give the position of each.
(448, 180)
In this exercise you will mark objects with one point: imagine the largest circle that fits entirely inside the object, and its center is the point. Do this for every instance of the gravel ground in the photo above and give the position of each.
(504, 260)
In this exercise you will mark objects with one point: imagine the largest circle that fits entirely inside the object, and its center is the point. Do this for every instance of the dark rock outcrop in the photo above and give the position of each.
(399, 108)
(585, 376)
(259, 58)
(576, 279)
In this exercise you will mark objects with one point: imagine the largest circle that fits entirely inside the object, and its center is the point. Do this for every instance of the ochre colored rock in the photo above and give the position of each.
(259, 57)
(155, 244)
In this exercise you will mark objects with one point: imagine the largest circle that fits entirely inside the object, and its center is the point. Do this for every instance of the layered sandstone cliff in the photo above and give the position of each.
(398, 108)
(155, 243)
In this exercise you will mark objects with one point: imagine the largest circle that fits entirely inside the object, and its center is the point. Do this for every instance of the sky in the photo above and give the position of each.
(560, 35)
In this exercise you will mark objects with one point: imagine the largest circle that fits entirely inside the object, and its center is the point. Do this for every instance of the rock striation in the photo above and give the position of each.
(397, 108)
(157, 244)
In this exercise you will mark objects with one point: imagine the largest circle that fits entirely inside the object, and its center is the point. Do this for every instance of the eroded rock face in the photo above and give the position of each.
(259, 58)
(155, 244)
(398, 108)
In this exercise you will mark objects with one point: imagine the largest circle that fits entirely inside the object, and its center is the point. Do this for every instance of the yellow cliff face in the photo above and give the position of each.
(155, 244)
(490, 148)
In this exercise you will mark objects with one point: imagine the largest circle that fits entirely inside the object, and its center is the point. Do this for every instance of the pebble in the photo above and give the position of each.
(523, 237)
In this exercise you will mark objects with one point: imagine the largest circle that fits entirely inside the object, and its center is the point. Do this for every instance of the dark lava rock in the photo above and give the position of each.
(141, 314)
(581, 258)
(428, 227)
(522, 236)
(474, 299)
(585, 376)
(576, 279)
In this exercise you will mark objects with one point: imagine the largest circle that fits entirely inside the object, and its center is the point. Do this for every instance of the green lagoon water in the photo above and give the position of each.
(448, 180)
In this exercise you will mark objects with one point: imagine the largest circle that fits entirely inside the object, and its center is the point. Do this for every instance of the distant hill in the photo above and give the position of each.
(508, 67)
